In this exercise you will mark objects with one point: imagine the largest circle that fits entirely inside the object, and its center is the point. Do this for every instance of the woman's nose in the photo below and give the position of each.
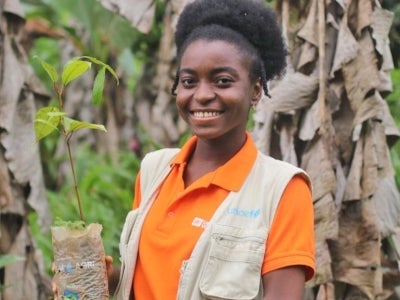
(204, 92)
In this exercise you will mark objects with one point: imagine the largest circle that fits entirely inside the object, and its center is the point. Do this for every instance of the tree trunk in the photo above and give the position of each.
(21, 181)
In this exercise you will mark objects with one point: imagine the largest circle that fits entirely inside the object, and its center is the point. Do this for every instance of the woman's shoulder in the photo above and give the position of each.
(274, 162)
(160, 155)
(280, 168)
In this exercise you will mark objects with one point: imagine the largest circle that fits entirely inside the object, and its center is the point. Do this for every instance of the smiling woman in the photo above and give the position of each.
(217, 219)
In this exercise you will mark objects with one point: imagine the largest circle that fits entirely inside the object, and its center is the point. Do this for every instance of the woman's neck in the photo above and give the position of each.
(208, 155)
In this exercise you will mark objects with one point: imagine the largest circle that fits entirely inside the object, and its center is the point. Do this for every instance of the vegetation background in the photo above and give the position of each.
(56, 30)
(106, 178)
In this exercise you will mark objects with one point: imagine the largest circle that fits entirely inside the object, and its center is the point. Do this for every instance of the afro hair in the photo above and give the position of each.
(252, 19)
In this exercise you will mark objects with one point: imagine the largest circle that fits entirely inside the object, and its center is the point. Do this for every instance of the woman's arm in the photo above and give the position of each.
(284, 284)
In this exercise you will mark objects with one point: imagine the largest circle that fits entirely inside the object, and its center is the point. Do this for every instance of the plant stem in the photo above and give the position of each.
(59, 92)
(67, 137)
(78, 197)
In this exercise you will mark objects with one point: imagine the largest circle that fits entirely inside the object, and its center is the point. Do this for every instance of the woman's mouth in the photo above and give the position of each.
(206, 114)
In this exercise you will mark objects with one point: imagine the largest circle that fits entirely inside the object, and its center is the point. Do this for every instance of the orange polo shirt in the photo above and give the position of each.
(179, 215)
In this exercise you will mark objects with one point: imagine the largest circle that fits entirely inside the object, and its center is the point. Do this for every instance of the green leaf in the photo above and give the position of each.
(72, 125)
(98, 86)
(74, 69)
(69, 224)
(46, 121)
(50, 70)
(9, 259)
(100, 63)
(55, 113)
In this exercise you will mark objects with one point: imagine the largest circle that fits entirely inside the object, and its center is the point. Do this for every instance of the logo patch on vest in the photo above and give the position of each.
(246, 213)
(199, 222)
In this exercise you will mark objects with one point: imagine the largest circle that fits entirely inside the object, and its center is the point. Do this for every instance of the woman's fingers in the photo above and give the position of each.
(54, 289)
(53, 283)
(109, 266)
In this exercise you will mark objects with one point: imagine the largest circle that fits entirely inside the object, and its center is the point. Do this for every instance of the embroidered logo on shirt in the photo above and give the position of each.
(249, 213)
(199, 222)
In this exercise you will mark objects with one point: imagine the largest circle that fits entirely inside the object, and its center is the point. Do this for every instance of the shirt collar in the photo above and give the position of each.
(232, 174)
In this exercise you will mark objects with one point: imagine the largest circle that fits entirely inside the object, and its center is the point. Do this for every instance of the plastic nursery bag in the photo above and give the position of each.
(79, 258)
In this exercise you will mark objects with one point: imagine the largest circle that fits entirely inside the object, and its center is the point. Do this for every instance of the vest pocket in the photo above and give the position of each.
(233, 268)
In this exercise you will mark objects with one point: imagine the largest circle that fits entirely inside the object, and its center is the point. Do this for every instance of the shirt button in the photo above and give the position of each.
(171, 214)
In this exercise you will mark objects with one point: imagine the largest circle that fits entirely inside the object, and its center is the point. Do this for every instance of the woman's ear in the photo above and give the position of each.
(257, 92)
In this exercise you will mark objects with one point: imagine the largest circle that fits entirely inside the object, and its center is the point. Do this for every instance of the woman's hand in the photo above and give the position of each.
(112, 274)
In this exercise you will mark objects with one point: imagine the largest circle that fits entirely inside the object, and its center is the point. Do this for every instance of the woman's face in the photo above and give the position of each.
(215, 93)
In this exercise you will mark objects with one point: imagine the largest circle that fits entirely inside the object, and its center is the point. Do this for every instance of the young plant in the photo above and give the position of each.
(53, 118)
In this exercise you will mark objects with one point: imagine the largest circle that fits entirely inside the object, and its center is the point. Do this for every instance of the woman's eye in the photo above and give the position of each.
(187, 82)
(223, 81)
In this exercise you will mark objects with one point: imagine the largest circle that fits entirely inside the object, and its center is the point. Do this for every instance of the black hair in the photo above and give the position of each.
(248, 24)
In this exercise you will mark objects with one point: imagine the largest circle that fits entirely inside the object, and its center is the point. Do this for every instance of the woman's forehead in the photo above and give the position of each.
(217, 48)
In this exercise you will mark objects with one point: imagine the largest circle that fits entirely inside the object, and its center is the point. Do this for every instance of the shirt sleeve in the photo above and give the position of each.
(291, 238)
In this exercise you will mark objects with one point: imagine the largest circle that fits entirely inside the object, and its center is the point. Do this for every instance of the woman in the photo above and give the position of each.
(217, 219)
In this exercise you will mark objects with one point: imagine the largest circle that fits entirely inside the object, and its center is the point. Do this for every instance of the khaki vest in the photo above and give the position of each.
(226, 261)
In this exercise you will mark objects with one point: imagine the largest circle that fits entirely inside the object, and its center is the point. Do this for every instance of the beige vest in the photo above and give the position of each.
(226, 261)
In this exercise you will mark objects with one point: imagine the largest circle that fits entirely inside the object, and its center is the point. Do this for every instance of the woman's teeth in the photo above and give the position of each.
(205, 114)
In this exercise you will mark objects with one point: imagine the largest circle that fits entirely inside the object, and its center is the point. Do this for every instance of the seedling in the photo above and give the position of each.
(53, 118)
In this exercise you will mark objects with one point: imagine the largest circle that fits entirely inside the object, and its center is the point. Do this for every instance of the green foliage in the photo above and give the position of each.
(394, 34)
(394, 98)
(69, 224)
(72, 125)
(394, 104)
(72, 70)
(104, 30)
(82, 23)
(98, 86)
(47, 121)
(50, 159)
(49, 51)
(395, 155)
(146, 45)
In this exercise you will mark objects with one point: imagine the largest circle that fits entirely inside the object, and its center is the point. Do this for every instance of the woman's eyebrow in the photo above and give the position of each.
(214, 71)
(227, 69)
(187, 70)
